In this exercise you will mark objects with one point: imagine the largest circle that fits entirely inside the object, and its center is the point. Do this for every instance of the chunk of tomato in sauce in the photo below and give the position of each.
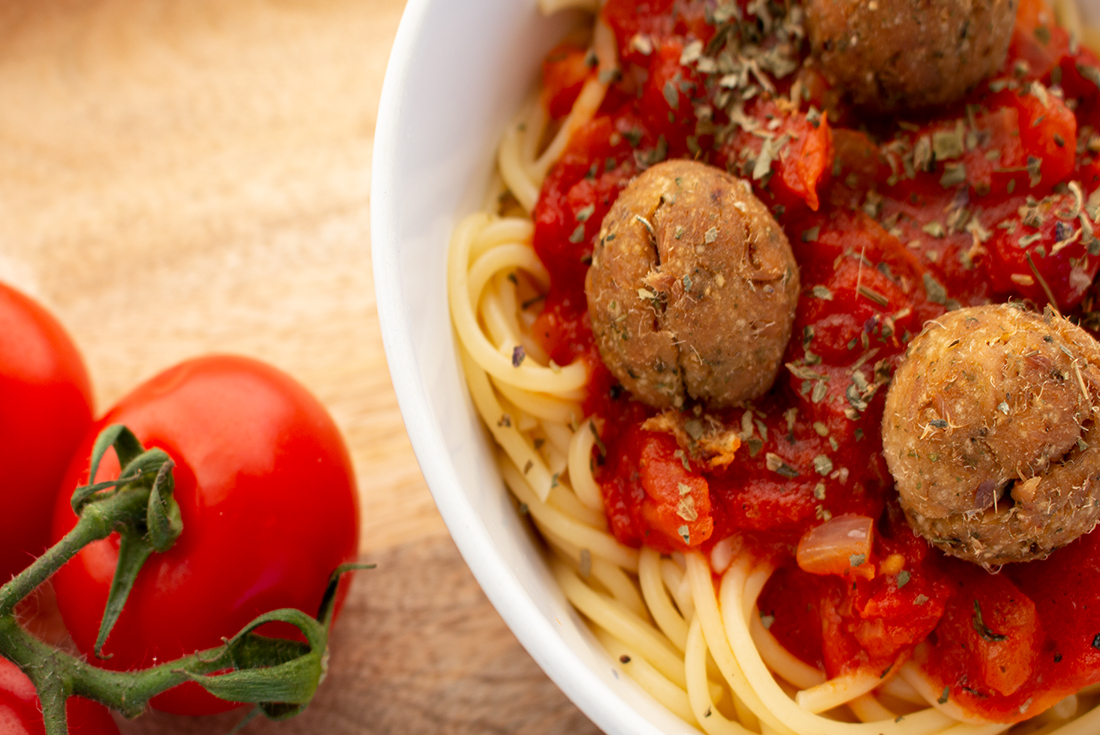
(677, 504)
(656, 21)
(903, 603)
(997, 165)
(1039, 252)
(669, 93)
(564, 72)
(987, 646)
(796, 469)
(840, 625)
(1067, 601)
(798, 154)
(861, 288)
(1037, 40)
(1048, 133)
(653, 495)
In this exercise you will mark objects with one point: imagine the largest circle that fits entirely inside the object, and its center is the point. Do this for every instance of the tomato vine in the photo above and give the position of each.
(278, 675)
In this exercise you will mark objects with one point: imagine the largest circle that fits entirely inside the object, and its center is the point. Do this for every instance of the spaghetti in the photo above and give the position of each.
(702, 650)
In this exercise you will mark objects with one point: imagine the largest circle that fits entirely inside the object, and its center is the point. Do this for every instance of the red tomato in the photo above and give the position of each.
(269, 507)
(21, 714)
(45, 410)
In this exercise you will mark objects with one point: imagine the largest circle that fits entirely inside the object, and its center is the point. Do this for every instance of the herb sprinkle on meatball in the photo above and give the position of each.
(692, 289)
(899, 55)
(992, 433)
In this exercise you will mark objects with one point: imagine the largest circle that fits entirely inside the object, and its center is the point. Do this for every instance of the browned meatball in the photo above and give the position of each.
(692, 288)
(893, 55)
(992, 433)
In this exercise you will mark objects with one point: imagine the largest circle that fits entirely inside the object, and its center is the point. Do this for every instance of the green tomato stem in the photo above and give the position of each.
(58, 675)
(97, 521)
(51, 693)
(279, 675)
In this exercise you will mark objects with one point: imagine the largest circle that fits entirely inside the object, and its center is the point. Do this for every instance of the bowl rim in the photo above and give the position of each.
(536, 634)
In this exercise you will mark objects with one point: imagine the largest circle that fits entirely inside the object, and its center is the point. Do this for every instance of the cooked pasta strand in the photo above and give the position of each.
(623, 624)
(706, 713)
(598, 543)
(668, 618)
(650, 679)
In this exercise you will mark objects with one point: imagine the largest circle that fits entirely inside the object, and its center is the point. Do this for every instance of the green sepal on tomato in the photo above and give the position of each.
(21, 712)
(45, 409)
(269, 506)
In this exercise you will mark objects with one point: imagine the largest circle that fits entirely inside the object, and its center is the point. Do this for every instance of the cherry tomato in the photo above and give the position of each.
(21, 714)
(45, 410)
(269, 507)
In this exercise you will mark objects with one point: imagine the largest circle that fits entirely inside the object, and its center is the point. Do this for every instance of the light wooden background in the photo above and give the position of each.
(185, 176)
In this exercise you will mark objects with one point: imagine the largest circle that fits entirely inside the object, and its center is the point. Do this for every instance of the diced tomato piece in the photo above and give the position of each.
(840, 650)
(1040, 252)
(798, 150)
(677, 504)
(1065, 582)
(657, 20)
(849, 625)
(776, 507)
(804, 164)
(905, 601)
(564, 72)
(997, 166)
(1048, 132)
(989, 628)
(854, 274)
(652, 492)
(1037, 39)
(669, 93)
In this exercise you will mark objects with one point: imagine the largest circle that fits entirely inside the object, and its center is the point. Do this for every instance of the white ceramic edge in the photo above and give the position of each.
(537, 634)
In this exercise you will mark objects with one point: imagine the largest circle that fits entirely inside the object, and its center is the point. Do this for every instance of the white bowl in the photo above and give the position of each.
(457, 73)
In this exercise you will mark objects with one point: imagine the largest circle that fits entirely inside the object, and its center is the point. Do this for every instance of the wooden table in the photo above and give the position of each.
(185, 176)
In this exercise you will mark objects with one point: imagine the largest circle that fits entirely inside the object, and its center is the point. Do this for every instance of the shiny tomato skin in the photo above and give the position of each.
(21, 713)
(45, 410)
(269, 506)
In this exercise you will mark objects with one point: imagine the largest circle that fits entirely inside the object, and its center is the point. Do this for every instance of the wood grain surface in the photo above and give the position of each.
(180, 177)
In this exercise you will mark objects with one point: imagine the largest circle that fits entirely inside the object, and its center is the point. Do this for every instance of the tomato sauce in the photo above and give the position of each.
(892, 223)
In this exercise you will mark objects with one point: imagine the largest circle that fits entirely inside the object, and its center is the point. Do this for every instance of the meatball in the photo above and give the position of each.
(992, 433)
(893, 55)
(692, 288)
